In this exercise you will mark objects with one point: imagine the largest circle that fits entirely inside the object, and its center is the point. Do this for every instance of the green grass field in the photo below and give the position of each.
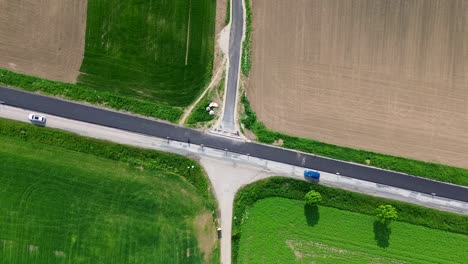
(62, 204)
(159, 50)
(279, 230)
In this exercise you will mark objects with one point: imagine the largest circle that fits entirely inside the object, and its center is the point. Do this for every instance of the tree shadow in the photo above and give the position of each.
(311, 214)
(382, 234)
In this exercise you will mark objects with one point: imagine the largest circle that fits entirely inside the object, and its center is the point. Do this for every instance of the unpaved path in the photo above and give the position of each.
(43, 38)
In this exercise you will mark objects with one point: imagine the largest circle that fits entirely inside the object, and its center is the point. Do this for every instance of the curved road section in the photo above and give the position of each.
(149, 127)
(228, 123)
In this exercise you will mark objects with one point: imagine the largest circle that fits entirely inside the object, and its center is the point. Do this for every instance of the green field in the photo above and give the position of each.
(158, 50)
(70, 199)
(279, 230)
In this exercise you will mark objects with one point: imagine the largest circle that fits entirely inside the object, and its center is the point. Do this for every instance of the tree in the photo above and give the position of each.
(313, 198)
(386, 214)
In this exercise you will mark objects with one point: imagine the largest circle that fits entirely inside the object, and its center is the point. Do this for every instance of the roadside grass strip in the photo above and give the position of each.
(152, 50)
(279, 230)
(228, 13)
(77, 92)
(298, 231)
(71, 199)
(424, 169)
(199, 113)
(246, 59)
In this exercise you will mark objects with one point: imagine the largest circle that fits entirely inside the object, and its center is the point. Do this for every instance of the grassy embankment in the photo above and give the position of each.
(228, 12)
(414, 167)
(199, 115)
(246, 60)
(128, 67)
(278, 230)
(71, 199)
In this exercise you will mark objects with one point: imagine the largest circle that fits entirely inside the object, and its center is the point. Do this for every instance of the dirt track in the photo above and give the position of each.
(43, 37)
(384, 75)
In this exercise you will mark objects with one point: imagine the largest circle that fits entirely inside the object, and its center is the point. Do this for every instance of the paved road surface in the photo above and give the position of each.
(228, 122)
(159, 129)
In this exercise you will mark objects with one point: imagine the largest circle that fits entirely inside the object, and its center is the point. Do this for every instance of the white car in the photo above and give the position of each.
(35, 118)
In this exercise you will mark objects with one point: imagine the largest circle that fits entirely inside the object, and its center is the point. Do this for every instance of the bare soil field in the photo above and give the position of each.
(43, 38)
(389, 76)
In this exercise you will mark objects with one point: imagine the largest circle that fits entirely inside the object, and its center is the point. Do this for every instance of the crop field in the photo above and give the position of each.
(388, 76)
(43, 38)
(279, 230)
(65, 206)
(158, 50)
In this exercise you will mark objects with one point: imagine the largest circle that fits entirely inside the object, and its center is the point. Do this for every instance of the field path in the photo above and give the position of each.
(188, 33)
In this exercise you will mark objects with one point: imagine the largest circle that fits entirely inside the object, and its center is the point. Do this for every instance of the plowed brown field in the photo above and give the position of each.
(389, 76)
(44, 38)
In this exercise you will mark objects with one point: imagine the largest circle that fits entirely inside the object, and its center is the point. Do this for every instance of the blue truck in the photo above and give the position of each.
(311, 174)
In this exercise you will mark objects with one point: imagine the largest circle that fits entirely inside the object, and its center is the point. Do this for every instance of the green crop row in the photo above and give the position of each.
(340, 199)
(79, 92)
(246, 60)
(414, 167)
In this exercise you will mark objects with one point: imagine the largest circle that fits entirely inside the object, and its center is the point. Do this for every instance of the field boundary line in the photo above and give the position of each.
(188, 33)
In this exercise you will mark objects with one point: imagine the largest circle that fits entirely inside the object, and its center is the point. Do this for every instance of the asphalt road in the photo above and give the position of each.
(149, 127)
(228, 122)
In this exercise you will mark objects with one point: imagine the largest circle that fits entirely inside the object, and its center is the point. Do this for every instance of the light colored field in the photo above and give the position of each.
(44, 38)
(383, 75)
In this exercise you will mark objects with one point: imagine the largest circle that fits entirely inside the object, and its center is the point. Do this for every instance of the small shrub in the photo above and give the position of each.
(313, 198)
(386, 214)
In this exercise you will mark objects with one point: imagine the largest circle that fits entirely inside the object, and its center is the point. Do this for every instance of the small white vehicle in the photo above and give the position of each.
(37, 119)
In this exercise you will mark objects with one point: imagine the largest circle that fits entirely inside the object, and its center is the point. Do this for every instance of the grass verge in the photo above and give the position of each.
(79, 92)
(199, 113)
(414, 167)
(71, 199)
(279, 230)
(340, 199)
(246, 60)
(228, 12)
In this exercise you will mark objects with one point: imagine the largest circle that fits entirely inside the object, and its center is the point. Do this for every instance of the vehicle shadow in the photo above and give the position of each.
(382, 234)
(311, 214)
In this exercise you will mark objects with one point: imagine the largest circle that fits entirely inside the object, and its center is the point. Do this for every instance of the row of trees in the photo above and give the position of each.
(385, 213)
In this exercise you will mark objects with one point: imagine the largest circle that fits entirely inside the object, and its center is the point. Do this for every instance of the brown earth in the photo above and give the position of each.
(44, 38)
(206, 234)
(219, 25)
(389, 76)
